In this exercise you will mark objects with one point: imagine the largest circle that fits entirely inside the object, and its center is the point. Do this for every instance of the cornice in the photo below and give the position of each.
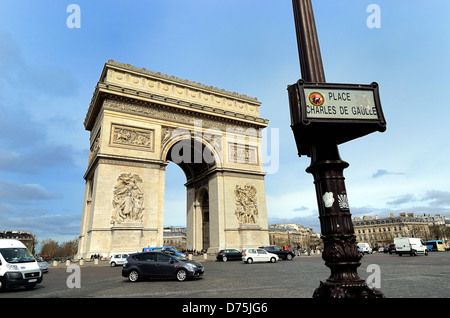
(184, 82)
(182, 95)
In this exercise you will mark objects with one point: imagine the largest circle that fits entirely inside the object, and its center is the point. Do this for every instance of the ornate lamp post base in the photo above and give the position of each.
(340, 253)
(344, 281)
(337, 290)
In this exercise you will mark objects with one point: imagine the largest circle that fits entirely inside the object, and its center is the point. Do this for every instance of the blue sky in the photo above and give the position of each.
(49, 72)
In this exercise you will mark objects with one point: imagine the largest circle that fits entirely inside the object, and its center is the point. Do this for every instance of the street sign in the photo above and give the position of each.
(326, 102)
(338, 112)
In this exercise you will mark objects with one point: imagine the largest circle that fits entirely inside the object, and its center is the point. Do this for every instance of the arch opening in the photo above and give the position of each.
(196, 160)
(192, 156)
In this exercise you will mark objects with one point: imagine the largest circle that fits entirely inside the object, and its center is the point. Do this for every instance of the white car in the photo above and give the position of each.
(118, 259)
(250, 255)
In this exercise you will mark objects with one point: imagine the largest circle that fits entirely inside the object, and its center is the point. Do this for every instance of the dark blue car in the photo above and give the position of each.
(160, 265)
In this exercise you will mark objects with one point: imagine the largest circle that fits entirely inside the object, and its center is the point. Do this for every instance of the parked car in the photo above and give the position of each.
(410, 245)
(118, 259)
(43, 265)
(229, 254)
(390, 248)
(160, 265)
(283, 254)
(251, 255)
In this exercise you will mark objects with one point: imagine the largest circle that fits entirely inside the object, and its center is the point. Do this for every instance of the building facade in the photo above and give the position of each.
(175, 237)
(294, 235)
(381, 231)
(25, 237)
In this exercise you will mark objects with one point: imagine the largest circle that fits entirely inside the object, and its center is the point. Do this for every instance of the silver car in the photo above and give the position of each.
(43, 265)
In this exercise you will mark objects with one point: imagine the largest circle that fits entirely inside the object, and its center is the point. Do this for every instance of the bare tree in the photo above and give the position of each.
(50, 247)
(70, 248)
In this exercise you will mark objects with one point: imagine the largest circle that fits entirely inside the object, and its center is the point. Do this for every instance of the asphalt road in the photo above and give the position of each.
(399, 277)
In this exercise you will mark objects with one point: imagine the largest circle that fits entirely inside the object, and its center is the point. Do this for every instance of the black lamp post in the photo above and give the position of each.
(319, 138)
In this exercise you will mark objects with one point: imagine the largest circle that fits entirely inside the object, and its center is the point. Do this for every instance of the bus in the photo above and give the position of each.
(435, 245)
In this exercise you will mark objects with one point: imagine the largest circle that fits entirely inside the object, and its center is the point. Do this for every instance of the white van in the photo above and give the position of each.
(18, 267)
(364, 248)
(410, 245)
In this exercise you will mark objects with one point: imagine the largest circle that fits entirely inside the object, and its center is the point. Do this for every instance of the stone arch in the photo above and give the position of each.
(136, 119)
(215, 150)
(203, 156)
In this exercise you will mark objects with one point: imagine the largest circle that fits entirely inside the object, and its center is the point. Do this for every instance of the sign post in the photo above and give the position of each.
(324, 115)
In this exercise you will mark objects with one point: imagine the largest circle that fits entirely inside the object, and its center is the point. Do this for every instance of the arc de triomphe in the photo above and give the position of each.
(138, 122)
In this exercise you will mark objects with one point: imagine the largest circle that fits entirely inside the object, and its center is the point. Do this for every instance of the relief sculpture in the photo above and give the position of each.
(125, 136)
(128, 199)
(246, 204)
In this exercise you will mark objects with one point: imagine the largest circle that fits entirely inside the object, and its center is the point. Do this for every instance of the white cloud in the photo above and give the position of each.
(17, 193)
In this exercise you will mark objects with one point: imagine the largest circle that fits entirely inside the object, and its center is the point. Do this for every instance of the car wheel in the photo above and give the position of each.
(133, 276)
(273, 260)
(249, 260)
(224, 258)
(289, 257)
(113, 264)
(181, 275)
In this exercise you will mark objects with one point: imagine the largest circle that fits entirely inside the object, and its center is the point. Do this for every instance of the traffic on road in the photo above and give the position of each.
(212, 277)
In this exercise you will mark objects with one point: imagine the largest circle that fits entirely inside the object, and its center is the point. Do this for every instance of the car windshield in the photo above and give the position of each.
(17, 255)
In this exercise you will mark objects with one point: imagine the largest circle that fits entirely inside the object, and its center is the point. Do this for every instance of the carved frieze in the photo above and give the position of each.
(166, 134)
(158, 112)
(131, 137)
(246, 204)
(128, 199)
